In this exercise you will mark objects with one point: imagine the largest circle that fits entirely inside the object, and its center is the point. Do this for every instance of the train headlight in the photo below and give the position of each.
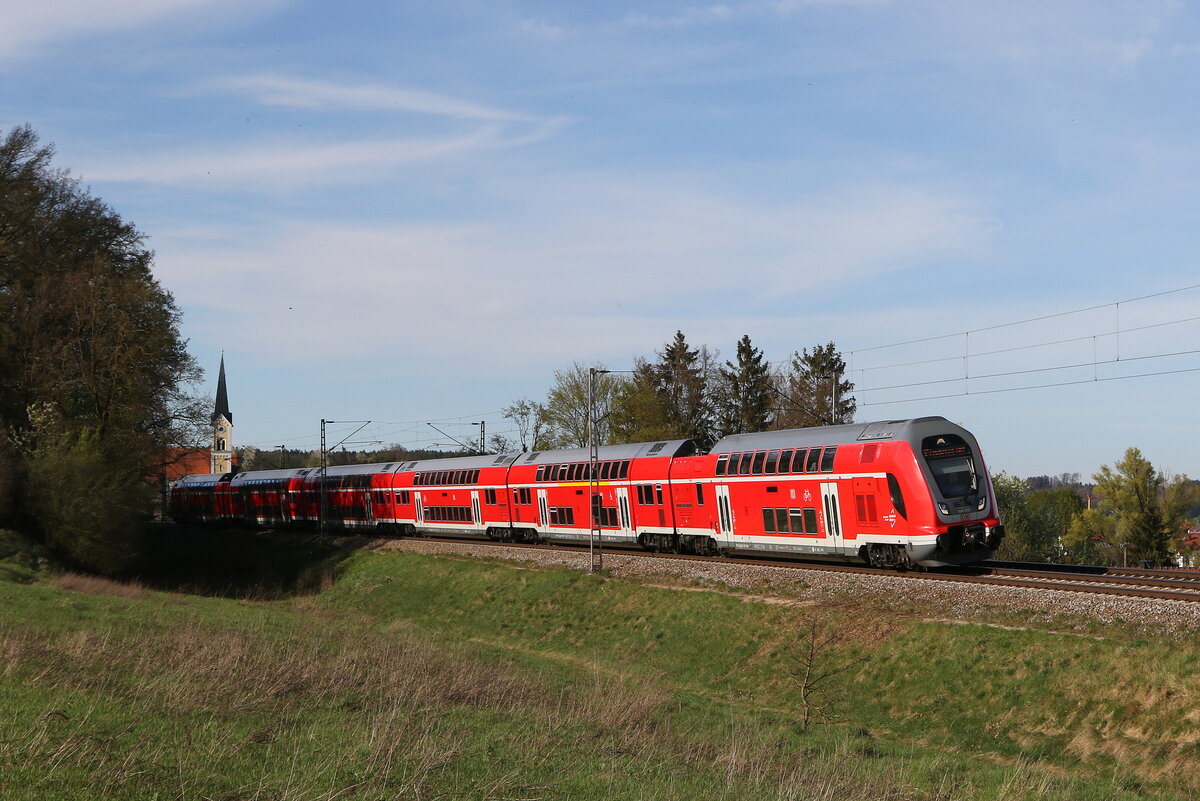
(982, 503)
(945, 509)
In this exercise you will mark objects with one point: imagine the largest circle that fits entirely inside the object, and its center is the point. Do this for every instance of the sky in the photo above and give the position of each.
(415, 213)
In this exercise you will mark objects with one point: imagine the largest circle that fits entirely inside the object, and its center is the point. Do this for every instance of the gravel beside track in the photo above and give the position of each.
(955, 600)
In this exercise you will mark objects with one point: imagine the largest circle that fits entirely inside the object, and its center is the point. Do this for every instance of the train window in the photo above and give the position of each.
(769, 521)
(772, 463)
(625, 469)
(541, 472)
(897, 495)
(785, 461)
(757, 464)
(810, 521)
(796, 518)
(798, 460)
(722, 463)
(744, 465)
(699, 494)
(814, 461)
(827, 459)
(781, 521)
(658, 494)
(489, 496)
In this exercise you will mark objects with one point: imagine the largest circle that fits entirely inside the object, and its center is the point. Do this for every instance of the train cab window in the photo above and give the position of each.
(897, 496)
(785, 461)
(722, 463)
(810, 521)
(772, 463)
(814, 461)
(699, 494)
(757, 464)
(827, 459)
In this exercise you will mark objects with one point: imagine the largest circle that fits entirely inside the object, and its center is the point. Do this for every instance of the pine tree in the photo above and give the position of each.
(747, 391)
(813, 391)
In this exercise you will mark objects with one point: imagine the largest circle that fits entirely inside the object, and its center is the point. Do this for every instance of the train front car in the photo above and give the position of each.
(960, 523)
(893, 494)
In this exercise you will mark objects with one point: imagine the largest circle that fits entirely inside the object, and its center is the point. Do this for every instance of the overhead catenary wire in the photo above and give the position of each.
(410, 426)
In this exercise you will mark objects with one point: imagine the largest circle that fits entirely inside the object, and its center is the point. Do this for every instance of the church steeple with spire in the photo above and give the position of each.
(222, 427)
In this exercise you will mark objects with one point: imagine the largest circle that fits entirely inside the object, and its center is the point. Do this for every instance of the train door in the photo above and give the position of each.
(477, 520)
(833, 513)
(543, 509)
(724, 513)
(623, 512)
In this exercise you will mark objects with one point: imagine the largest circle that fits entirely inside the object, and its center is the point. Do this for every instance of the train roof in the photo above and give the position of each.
(461, 462)
(258, 476)
(635, 450)
(198, 480)
(911, 431)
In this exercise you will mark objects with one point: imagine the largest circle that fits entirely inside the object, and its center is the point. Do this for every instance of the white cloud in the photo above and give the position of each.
(589, 254)
(283, 90)
(279, 166)
(27, 26)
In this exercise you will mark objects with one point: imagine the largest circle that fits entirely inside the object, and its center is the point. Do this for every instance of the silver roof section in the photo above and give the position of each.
(911, 431)
(462, 462)
(255, 476)
(673, 447)
(198, 480)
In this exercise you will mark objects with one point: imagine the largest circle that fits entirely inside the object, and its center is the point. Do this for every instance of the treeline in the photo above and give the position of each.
(1130, 514)
(684, 392)
(93, 371)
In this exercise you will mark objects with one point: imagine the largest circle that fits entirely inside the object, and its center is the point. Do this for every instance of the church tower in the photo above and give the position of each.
(222, 426)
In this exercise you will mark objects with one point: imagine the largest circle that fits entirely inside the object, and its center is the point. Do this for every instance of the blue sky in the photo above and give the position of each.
(412, 212)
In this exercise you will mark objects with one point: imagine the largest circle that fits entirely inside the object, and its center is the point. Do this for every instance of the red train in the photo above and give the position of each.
(892, 494)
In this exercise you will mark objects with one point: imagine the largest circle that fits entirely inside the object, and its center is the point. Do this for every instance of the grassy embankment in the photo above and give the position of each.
(421, 677)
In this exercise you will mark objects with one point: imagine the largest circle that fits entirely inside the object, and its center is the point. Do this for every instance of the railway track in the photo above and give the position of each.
(1122, 582)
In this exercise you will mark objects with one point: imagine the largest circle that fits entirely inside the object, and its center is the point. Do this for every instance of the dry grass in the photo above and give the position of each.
(97, 585)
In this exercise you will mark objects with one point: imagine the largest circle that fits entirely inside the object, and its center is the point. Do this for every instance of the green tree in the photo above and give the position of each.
(1091, 539)
(530, 419)
(1025, 538)
(813, 391)
(670, 398)
(1149, 507)
(88, 339)
(565, 414)
(747, 393)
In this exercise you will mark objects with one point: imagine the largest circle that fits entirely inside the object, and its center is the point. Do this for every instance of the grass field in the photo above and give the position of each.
(320, 673)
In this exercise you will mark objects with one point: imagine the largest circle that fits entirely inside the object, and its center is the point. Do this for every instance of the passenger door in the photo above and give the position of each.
(832, 513)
